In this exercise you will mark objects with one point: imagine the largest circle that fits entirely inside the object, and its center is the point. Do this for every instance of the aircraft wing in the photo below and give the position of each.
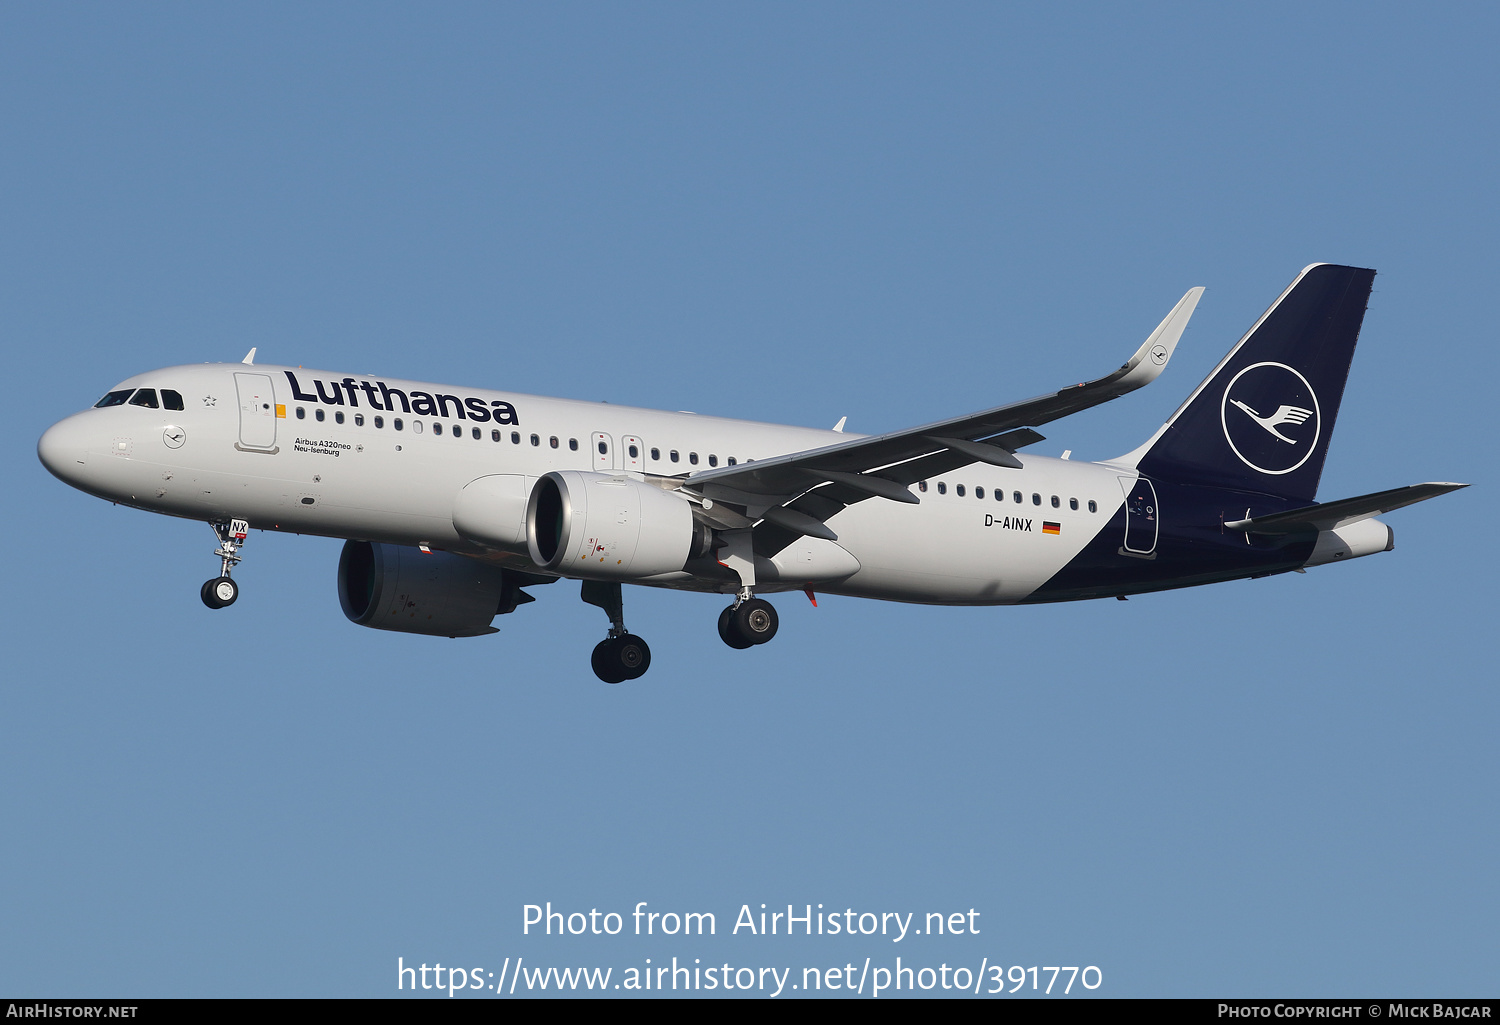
(886, 465)
(1332, 515)
(797, 471)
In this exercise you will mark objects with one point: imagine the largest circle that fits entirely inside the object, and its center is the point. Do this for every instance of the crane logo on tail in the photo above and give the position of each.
(1284, 415)
(1274, 442)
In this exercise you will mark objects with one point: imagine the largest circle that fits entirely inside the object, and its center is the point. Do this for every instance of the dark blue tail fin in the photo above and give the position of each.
(1262, 419)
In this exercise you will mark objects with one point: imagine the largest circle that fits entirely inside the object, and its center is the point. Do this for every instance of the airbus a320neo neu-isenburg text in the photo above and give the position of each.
(454, 500)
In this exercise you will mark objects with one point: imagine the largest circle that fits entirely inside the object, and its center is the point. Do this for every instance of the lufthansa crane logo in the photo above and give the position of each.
(1270, 417)
(1284, 415)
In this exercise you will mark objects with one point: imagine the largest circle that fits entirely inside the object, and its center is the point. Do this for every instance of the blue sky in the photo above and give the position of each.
(781, 212)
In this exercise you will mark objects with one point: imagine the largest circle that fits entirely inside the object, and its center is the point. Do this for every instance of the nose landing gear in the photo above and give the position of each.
(221, 590)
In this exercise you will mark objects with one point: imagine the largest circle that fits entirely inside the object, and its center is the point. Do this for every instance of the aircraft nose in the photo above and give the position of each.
(64, 449)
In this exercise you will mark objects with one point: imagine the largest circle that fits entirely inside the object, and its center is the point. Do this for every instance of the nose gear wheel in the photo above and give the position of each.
(221, 591)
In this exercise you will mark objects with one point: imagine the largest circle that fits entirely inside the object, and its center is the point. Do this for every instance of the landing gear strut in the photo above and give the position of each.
(622, 655)
(748, 622)
(221, 590)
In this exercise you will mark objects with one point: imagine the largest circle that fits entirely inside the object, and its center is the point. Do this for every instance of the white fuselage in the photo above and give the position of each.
(969, 541)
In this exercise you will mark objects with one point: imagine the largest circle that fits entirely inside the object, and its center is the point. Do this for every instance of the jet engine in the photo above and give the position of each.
(609, 527)
(395, 587)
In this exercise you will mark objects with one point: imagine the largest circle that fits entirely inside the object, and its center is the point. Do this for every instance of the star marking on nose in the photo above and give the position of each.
(209, 400)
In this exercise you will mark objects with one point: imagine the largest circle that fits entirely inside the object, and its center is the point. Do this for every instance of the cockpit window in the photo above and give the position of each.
(171, 399)
(114, 398)
(145, 397)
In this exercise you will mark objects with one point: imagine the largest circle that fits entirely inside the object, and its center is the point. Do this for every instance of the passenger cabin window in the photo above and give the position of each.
(475, 433)
(731, 460)
(114, 398)
(515, 437)
(942, 488)
(359, 419)
(1016, 495)
(536, 440)
(693, 458)
(170, 399)
(1055, 503)
(553, 441)
(338, 416)
(713, 460)
(1073, 504)
(921, 485)
(979, 492)
(1036, 499)
(494, 435)
(318, 415)
(437, 428)
(1093, 506)
(635, 452)
(958, 489)
(656, 455)
(398, 423)
(379, 422)
(674, 455)
(416, 427)
(301, 413)
(572, 444)
(145, 397)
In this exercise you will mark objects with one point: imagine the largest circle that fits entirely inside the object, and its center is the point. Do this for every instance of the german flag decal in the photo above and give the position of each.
(1048, 527)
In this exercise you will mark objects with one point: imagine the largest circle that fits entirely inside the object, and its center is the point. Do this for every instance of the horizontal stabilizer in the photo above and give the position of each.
(1332, 515)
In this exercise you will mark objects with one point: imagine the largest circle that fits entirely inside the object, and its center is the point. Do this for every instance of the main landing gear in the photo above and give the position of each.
(622, 655)
(221, 590)
(748, 622)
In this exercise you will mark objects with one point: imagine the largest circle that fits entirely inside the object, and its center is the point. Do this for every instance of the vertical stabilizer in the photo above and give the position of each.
(1262, 420)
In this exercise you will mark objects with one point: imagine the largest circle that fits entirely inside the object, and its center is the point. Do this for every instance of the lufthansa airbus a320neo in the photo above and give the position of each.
(454, 500)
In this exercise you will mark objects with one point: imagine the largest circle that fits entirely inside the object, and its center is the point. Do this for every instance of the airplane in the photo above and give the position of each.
(452, 501)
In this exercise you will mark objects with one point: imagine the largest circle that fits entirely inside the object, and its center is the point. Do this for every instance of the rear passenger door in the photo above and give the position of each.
(1141, 518)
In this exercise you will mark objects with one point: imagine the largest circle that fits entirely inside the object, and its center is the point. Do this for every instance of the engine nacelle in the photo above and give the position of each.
(395, 587)
(1363, 537)
(492, 510)
(608, 527)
